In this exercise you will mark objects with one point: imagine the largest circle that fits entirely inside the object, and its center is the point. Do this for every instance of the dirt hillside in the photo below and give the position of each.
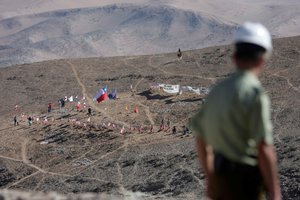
(73, 152)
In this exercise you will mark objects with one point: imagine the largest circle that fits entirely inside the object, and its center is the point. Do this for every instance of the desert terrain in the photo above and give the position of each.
(76, 153)
(38, 30)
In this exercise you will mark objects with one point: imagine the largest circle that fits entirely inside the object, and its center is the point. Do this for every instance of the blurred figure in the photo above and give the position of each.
(49, 107)
(179, 54)
(234, 136)
(30, 119)
(16, 120)
(174, 130)
(89, 110)
(17, 108)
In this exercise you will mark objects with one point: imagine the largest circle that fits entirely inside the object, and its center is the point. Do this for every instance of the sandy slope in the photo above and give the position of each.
(97, 159)
(107, 31)
(282, 17)
(33, 31)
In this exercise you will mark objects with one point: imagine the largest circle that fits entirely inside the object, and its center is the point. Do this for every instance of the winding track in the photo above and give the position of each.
(277, 74)
(90, 101)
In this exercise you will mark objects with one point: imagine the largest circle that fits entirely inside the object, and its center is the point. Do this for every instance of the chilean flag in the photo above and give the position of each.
(101, 95)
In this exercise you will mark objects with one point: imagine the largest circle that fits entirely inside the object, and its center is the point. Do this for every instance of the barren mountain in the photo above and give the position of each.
(107, 31)
(32, 31)
(76, 153)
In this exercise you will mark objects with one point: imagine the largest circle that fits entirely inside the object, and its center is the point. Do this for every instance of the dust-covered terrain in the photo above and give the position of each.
(73, 152)
(36, 30)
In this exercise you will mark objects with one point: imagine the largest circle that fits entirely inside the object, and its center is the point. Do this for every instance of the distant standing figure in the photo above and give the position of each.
(16, 120)
(16, 108)
(61, 102)
(29, 120)
(179, 54)
(78, 106)
(136, 110)
(184, 130)
(174, 130)
(89, 111)
(49, 107)
(122, 131)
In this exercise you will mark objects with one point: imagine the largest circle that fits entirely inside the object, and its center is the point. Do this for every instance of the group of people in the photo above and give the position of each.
(88, 124)
(29, 120)
(167, 127)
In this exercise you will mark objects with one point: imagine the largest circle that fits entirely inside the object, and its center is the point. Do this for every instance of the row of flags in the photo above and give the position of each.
(102, 94)
(177, 89)
(72, 98)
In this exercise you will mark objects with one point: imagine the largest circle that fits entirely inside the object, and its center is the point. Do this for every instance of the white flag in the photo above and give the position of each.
(71, 99)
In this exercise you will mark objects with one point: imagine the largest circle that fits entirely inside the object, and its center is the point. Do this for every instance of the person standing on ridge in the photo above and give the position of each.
(16, 123)
(179, 54)
(174, 130)
(49, 107)
(234, 136)
(89, 110)
(30, 119)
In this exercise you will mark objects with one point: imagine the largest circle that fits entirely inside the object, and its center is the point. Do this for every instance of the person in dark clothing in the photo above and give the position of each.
(184, 130)
(29, 120)
(89, 111)
(49, 107)
(16, 120)
(61, 103)
(174, 130)
(179, 54)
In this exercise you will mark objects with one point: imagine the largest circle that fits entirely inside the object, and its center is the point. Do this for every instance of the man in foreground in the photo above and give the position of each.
(233, 129)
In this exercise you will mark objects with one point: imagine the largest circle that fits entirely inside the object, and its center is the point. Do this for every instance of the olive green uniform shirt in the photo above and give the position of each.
(235, 118)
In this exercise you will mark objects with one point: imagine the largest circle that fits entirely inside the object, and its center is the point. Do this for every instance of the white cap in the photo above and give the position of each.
(254, 33)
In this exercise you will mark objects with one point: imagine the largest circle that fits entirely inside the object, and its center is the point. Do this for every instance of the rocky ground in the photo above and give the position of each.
(68, 157)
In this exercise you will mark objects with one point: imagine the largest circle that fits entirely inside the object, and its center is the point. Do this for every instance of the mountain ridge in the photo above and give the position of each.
(113, 30)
